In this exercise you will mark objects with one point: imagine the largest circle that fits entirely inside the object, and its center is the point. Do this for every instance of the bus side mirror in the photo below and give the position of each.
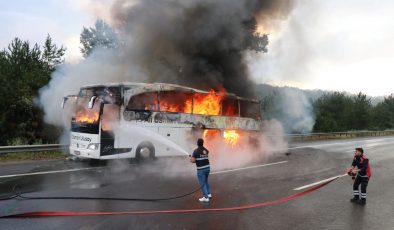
(91, 102)
(64, 101)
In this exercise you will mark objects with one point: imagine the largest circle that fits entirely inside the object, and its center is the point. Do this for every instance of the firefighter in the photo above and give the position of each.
(360, 172)
(200, 157)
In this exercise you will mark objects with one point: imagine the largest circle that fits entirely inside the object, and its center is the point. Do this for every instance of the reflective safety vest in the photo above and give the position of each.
(201, 155)
(362, 163)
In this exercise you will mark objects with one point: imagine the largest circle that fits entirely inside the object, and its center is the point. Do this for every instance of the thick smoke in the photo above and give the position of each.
(196, 43)
(267, 143)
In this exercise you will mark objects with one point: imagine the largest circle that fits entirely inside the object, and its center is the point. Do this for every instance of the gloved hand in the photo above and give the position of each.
(350, 172)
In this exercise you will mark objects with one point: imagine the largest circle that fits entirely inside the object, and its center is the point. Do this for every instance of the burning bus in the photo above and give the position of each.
(137, 120)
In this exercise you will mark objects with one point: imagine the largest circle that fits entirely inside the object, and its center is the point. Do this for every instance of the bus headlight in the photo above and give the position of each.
(93, 146)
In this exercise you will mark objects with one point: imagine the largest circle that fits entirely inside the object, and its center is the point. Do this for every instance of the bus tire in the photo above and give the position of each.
(145, 151)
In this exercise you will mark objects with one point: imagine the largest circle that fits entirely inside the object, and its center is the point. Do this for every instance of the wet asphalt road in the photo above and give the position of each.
(326, 208)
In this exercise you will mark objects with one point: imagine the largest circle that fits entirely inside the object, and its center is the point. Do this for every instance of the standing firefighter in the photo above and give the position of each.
(200, 157)
(360, 175)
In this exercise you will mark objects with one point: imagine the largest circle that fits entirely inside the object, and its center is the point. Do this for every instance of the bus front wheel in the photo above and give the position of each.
(145, 151)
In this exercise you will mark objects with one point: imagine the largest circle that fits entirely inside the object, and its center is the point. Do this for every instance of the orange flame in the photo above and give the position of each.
(231, 137)
(211, 133)
(170, 107)
(207, 104)
(86, 116)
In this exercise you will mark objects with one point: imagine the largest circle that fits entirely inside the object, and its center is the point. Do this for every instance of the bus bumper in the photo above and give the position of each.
(85, 153)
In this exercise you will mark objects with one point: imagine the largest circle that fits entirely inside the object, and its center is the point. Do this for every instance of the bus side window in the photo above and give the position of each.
(230, 107)
(143, 101)
(250, 109)
(176, 101)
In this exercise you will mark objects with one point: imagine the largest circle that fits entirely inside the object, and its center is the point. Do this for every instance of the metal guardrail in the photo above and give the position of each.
(338, 135)
(31, 148)
(292, 137)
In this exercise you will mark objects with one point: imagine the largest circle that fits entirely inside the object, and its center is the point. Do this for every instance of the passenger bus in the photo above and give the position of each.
(139, 120)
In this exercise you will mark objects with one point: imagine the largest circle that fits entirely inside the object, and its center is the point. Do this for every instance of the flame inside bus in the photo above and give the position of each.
(198, 103)
(86, 116)
(206, 104)
(230, 137)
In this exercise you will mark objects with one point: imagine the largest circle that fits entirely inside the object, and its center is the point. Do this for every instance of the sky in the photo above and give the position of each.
(331, 45)
(63, 20)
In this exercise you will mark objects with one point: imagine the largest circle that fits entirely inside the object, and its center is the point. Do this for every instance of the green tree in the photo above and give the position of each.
(102, 35)
(361, 112)
(51, 55)
(333, 113)
(24, 69)
(383, 114)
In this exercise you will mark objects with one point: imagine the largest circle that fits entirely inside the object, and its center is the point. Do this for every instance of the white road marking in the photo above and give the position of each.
(250, 167)
(47, 172)
(319, 182)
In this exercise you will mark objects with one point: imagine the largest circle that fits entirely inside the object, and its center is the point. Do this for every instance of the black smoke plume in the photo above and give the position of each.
(197, 43)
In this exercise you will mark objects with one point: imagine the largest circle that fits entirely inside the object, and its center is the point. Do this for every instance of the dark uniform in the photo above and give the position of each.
(362, 178)
(203, 169)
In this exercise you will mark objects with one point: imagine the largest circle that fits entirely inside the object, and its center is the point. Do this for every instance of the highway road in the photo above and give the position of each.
(278, 176)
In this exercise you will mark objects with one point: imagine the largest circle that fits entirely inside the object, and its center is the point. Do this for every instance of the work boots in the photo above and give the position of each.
(355, 199)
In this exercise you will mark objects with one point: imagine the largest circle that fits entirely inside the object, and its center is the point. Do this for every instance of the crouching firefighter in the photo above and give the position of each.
(360, 172)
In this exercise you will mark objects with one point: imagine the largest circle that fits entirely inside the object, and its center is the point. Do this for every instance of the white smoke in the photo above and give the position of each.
(252, 148)
(99, 68)
(297, 111)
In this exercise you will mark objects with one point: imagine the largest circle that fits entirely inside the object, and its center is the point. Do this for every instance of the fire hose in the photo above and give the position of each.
(17, 195)
(236, 208)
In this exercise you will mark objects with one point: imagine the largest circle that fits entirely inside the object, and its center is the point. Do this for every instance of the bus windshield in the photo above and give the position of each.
(110, 95)
(86, 120)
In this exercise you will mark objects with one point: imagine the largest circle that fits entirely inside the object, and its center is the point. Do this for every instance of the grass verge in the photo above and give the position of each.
(43, 155)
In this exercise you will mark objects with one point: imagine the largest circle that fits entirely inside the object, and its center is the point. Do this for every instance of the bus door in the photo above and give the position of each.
(109, 120)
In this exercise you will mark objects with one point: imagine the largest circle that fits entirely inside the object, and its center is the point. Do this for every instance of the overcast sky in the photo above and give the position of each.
(331, 45)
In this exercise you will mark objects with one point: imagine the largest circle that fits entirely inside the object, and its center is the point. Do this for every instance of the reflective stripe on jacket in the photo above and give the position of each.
(201, 156)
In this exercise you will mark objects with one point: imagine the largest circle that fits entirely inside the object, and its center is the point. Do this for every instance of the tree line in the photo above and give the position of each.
(341, 112)
(333, 112)
(25, 68)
